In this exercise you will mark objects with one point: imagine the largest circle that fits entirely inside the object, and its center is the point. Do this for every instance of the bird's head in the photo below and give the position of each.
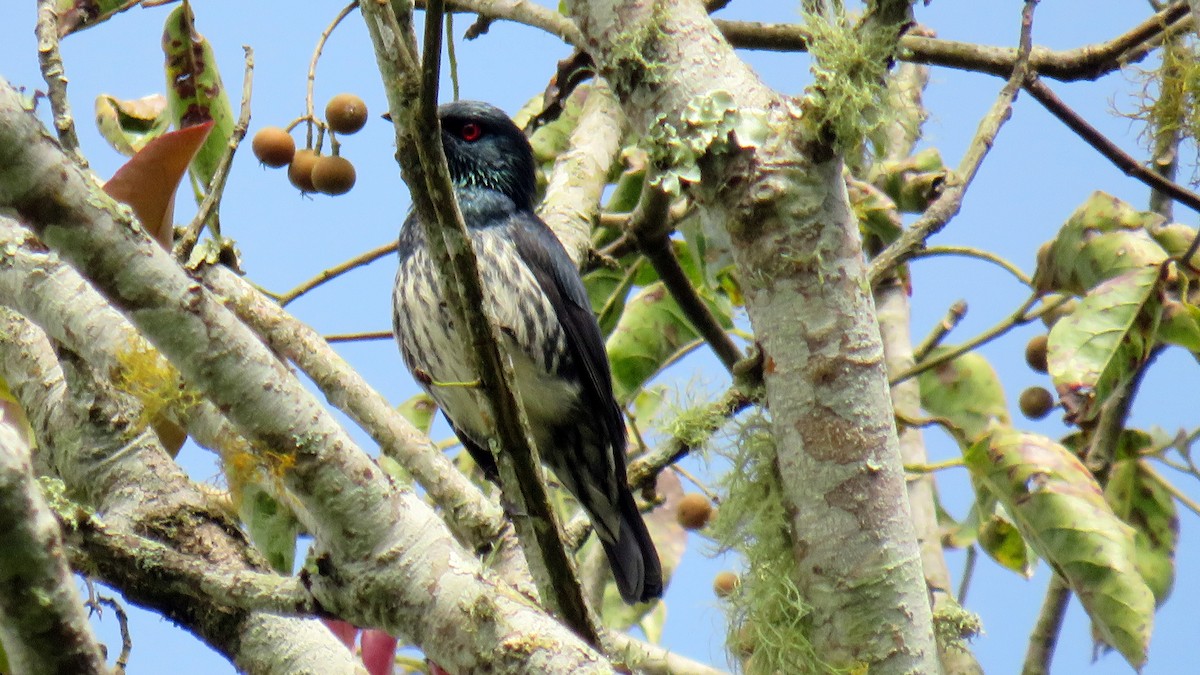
(484, 148)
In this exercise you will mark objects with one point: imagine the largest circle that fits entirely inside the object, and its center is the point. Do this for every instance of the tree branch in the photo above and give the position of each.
(423, 165)
(649, 228)
(1045, 633)
(45, 628)
(387, 559)
(478, 522)
(947, 205)
(117, 468)
(580, 173)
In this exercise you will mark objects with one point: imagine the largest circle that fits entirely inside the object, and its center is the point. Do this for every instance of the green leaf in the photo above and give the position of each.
(966, 392)
(1139, 498)
(1095, 348)
(1180, 325)
(1060, 510)
(195, 93)
(1103, 239)
(128, 125)
(651, 331)
(272, 527)
(419, 410)
(1000, 538)
(1175, 238)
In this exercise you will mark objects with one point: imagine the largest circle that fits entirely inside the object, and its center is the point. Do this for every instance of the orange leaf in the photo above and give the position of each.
(148, 181)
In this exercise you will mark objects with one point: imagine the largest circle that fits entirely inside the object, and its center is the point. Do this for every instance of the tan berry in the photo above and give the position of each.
(333, 175)
(273, 146)
(1035, 353)
(694, 511)
(724, 583)
(1036, 402)
(301, 168)
(345, 113)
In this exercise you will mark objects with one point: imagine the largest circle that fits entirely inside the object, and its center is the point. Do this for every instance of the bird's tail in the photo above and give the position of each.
(632, 557)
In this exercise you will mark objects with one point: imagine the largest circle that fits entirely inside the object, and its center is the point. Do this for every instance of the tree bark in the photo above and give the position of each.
(800, 262)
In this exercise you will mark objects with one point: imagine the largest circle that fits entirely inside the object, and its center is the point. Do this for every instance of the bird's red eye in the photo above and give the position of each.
(470, 131)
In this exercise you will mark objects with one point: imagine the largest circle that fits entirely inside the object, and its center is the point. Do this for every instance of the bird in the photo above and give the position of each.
(534, 294)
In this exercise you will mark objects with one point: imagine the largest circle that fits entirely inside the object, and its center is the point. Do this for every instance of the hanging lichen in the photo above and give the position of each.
(767, 615)
(848, 98)
(1168, 103)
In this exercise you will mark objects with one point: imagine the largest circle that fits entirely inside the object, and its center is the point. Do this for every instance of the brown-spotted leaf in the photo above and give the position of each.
(1139, 497)
(148, 181)
(128, 125)
(195, 94)
(1061, 511)
(1095, 348)
(1103, 239)
(966, 392)
(76, 15)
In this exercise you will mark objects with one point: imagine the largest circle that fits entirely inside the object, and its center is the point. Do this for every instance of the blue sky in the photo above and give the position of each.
(1035, 177)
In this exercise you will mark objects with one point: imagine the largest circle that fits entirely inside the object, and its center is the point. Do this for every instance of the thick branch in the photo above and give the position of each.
(580, 173)
(117, 468)
(391, 562)
(42, 623)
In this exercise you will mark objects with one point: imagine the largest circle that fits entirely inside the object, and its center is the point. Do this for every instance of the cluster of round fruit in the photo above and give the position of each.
(308, 170)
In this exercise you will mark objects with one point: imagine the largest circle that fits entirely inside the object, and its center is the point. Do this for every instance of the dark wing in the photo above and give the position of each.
(559, 280)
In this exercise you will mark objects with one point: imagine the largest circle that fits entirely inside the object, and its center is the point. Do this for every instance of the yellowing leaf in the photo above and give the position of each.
(1060, 510)
(1099, 345)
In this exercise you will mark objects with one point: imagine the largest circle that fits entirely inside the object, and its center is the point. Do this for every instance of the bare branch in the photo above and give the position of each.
(45, 627)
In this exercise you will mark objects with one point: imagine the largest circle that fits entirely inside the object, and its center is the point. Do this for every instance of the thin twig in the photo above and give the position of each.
(1179, 495)
(934, 466)
(970, 252)
(50, 60)
(1122, 160)
(1045, 633)
(451, 57)
(644, 470)
(954, 316)
(1017, 318)
(312, 71)
(211, 204)
(1088, 62)
(649, 228)
(360, 337)
(336, 271)
(968, 573)
(948, 204)
(122, 661)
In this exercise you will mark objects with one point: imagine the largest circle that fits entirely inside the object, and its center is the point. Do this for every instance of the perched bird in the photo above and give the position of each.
(534, 294)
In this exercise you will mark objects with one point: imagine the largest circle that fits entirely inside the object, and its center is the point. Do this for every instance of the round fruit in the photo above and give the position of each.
(333, 175)
(724, 583)
(1036, 402)
(345, 113)
(301, 169)
(273, 146)
(1035, 353)
(694, 511)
